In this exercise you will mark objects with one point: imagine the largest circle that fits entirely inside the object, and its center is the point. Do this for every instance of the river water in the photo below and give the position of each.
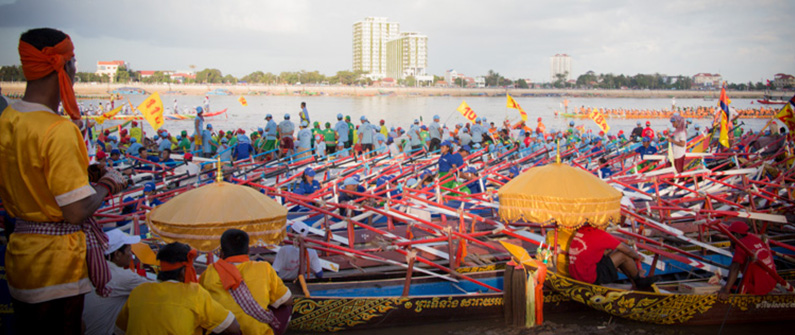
(401, 111)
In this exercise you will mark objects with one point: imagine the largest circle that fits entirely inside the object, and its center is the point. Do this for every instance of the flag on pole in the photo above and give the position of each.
(600, 120)
(152, 110)
(723, 103)
(243, 101)
(467, 112)
(787, 116)
(512, 104)
(109, 114)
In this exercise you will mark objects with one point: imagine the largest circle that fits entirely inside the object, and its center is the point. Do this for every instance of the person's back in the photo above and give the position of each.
(243, 150)
(586, 249)
(758, 281)
(287, 262)
(262, 281)
(171, 307)
(286, 128)
(342, 130)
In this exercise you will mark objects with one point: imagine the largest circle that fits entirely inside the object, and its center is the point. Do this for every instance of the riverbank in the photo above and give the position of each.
(96, 90)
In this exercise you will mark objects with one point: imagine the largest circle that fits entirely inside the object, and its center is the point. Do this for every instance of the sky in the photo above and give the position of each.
(741, 40)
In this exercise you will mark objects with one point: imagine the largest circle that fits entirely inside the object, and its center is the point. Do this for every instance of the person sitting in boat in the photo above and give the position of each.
(646, 148)
(165, 158)
(115, 157)
(287, 262)
(285, 130)
(99, 314)
(605, 169)
(308, 184)
(134, 147)
(243, 147)
(175, 304)
(637, 132)
(448, 161)
(540, 128)
(595, 256)
(304, 140)
(513, 172)
(472, 181)
(648, 132)
(755, 280)
(427, 178)
(380, 144)
(350, 184)
(251, 290)
(597, 145)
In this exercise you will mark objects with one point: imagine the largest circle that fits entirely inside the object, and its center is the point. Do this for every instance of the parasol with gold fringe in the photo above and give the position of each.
(199, 217)
(560, 193)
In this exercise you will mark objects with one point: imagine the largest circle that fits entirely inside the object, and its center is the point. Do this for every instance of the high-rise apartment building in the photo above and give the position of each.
(561, 64)
(370, 37)
(407, 55)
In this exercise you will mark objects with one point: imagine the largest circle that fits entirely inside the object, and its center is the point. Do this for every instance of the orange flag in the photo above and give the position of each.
(467, 112)
(242, 101)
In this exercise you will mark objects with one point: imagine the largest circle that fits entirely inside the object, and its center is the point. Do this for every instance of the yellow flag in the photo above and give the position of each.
(600, 120)
(242, 101)
(152, 110)
(467, 112)
(513, 104)
(109, 114)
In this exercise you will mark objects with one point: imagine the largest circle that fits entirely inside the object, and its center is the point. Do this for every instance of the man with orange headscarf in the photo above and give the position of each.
(55, 253)
(251, 290)
(176, 304)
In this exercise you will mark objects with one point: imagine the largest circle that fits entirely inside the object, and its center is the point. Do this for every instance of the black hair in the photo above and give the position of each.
(141, 148)
(234, 242)
(173, 253)
(303, 103)
(41, 38)
(602, 160)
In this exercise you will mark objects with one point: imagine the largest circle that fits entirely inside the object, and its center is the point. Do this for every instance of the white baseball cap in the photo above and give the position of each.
(300, 228)
(117, 239)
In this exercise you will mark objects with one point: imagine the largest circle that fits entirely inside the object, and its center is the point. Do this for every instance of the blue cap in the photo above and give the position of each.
(392, 129)
(471, 169)
(646, 139)
(287, 116)
(380, 137)
(424, 127)
(260, 130)
(149, 187)
(447, 144)
(466, 148)
(339, 116)
(356, 177)
(199, 109)
(133, 140)
(350, 181)
(179, 137)
(115, 151)
(304, 123)
(696, 125)
(224, 140)
(268, 115)
(673, 118)
(460, 125)
(363, 118)
(436, 117)
(476, 146)
(416, 120)
(477, 120)
(425, 172)
(411, 182)
(382, 180)
(309, 172)
(638, 123)
(483, 119)
(571, 123)
(209, 126)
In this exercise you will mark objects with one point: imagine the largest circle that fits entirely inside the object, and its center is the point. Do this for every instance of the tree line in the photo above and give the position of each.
(588, 80)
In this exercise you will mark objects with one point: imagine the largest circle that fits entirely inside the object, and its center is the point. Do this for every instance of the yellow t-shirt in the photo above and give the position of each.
(265, 285)
(171, 307)
(44, 166)
(138, 135)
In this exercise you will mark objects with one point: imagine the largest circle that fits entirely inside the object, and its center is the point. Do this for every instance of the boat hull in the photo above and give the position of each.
(676, 309)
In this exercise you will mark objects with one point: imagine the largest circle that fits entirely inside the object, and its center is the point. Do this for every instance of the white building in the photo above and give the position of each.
(407, 55)
(561, 64)
(370, 38)
(707, 80)
(109, 68)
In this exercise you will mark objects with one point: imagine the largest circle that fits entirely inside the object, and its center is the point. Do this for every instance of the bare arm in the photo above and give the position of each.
(77, 212)
(734, 270)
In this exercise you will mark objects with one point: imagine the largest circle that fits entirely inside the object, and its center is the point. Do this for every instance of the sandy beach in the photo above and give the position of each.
(97, 90)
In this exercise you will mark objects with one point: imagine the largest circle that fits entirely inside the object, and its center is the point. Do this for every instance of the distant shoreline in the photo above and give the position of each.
(95, 90)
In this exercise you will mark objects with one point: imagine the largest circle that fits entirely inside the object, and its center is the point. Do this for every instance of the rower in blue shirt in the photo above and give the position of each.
(646, 148)
(308, 184)
(342, 131)
(477, 131)
(473, 181)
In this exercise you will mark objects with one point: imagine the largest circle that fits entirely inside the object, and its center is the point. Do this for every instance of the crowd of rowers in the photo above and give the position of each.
(700, 112)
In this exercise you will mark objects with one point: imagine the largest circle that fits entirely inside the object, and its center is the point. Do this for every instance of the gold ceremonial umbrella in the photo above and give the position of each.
(199, 217)
(561, 193)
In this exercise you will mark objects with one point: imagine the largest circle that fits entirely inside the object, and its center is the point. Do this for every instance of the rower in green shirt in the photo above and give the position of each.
(330, 137)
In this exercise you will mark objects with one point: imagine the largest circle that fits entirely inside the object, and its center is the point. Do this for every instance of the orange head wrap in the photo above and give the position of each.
(38, 63)
(190, 271)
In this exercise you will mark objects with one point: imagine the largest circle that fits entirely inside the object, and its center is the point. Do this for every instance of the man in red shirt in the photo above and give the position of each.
(595, 256)
(648, 132)
(756, 280)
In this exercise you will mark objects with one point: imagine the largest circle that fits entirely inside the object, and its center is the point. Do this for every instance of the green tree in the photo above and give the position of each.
(521, 83)
(437, 79)
(460, 82)
(560, 80)
(493, 79)
(411, 81)
(254, 77)
(123, 75)
(209, 76)
(12, 73)
(230, 79)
